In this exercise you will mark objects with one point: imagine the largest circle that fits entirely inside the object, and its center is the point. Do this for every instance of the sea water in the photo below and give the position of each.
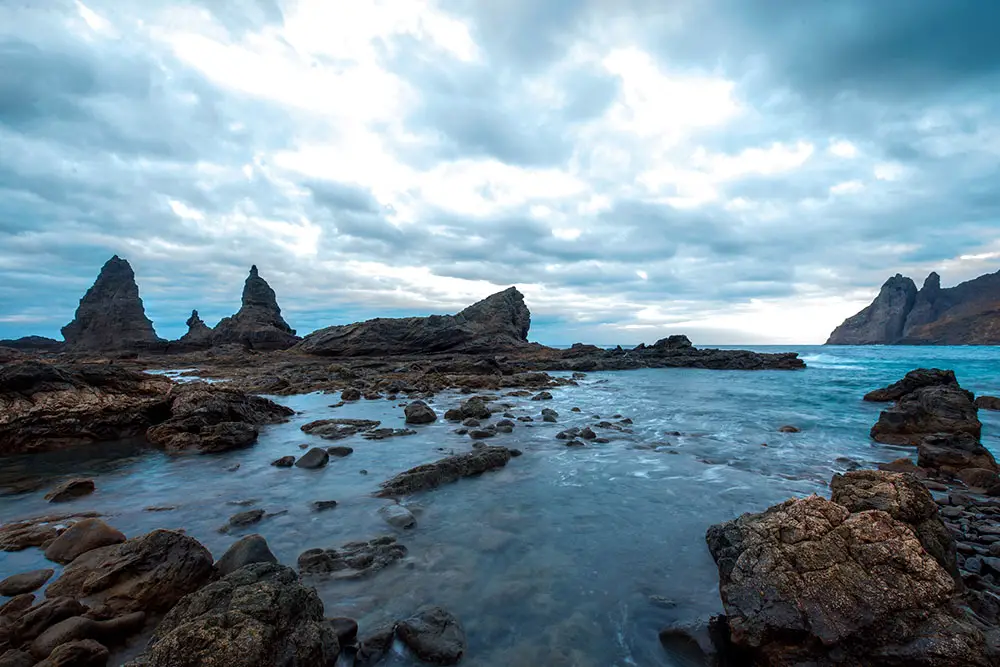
(568, 556)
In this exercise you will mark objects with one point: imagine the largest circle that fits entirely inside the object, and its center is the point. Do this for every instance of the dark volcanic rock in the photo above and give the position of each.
(258, 324)
(419, 412)
(148, 573)
(446, 470)
(988, 402)
(434, 635)
(111, 315)
(500, 321)
(258, 615)
(807, 582)
(915, 379)
(199, 334)
(284, 462)
(353, 560)
(314, 458)
(927, 411)
(245, 551)
(46, 406)
(967, 314)
(25, 582)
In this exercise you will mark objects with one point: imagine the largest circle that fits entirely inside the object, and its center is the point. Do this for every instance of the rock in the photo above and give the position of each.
(19, 535)
(110, 315)
(525, 419)
(481, 434)
(70, 489)
(954, 452)
(80, 538)
(419, 412)
(15, 658)
(147, 573)
(374, 645)
(258, 615)
(575, 443)
(505, 426)
(915, 379)
(247, 518)
(568, 434)
(549, 415)
(453, 415)
(338, 429)
(385, 433)
(903, 498)
(808, 582)
(397, 516)
(44, 615)
(314, 458)
(542, 396)
(445, 471)
(78, 628)
(927, 411)
(500, 321)
(471, 423)
(258, 324)
(320, 505)
(988, 402)
(475, 408)
(981, 478)
(788, 428)
(346, 629)
(340, 451)
(208, 418)
(199, 335)
(350, 394)
(354, 560)
(962, 315)
(245, 551)
(284, 462)
(25, 582)
(587, 433)
(434, 635)
(82, 653)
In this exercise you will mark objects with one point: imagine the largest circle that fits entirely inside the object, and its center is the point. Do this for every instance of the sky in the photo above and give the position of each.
(742, 171)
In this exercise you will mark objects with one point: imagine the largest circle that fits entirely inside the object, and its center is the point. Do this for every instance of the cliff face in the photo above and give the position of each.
(500, 321)
(967, 314)
(111, 315)
(258, 323)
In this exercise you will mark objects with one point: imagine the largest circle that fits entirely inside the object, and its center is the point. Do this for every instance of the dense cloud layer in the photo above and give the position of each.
(740, 170)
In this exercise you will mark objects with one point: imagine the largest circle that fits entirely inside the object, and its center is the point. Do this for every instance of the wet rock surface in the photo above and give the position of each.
(915, 379)
(245, 551)
(928, 411)
(313, 459)
(434, 635)
(258, 325)
(37, 532)
(419, 412)
(25, 582)
(354, 560)
(446, 470)
(83, 536)
(338, 429)
(70, 489)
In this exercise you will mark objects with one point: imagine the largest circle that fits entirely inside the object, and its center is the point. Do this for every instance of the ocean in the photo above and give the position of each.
(568, 556)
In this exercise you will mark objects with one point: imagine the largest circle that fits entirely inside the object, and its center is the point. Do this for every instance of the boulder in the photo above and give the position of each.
(43, 616)
(550, 415)
(338, 429)
(78, 628)
(445, 471)
(345, 628)
(247, 518)
(147, 573)
(245, 551)
(419, 412)
(16, 658)
(915, 379)
(434, 635)
(25, 582)
(258, 324)
(81, 653)
(258, 615)
(475, 408)
(979, 478)
(397, 516)
(81, 537)
(927, 411)
(951, 453)
(542, 396)
(111, 315)
(350, 394)
(374, 645)
(988, 402)
(70, 489)
(500, 321)
(340, 451)
(808, 582)
(314, 458)
(905, 499)
(353, 560)
(284, 462)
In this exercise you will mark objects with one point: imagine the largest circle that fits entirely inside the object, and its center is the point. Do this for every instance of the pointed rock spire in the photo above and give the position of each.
(198, 332)
(258, 323)
(111, 315)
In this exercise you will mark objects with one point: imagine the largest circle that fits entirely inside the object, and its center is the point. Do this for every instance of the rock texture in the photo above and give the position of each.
(199, 334)
(915, 379)
(258, 615)
(446, 470)
(809, 582)
(258, 324)
(927, 411)
(498, 322)
(353, 560)
(111, 315)
(434, 635)
(967, 314)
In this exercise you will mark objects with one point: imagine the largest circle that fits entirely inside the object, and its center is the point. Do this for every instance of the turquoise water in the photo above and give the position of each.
(553, 560)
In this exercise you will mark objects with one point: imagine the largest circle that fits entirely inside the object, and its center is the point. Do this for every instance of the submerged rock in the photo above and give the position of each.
(258, 324)
(434, 635)
(397, 516)
(385, 433)
(354, 560)
(258, 615)
(338, 429)
(446, 470)
(284, 462)
(70, 489)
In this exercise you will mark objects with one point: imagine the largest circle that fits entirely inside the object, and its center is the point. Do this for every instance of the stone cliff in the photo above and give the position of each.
(967, 314)
(258, 323)
(500, 321)
(111, 315)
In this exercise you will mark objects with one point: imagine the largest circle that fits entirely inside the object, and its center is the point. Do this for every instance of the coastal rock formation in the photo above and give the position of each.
(354, 560)
(809, 582)
(111, 315)
(434, 635)
(45, 406)
(967, 314)
(258, 324)
(927, 411)
(258, 615)
(33, 344)
(915, 379)
(446, 470)
(498, 322)
(199, 334)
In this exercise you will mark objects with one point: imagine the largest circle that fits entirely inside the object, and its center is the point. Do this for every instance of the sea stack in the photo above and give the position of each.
(198, 334)
(258, 325)
(111, 315)
(498, 322)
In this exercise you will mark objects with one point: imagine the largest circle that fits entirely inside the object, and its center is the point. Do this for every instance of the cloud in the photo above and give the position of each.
(743, 170)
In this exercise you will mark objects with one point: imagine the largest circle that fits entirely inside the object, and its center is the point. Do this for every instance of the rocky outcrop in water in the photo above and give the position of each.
(258, 324)
(967, 314)
(111, 315)
(498, 322)
(927, 411)
(915, 379)
(199, 335)
(33, 344)
(445, 471)
(258, 615)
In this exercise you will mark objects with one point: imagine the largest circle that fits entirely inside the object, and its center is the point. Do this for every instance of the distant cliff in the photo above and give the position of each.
(967, 314)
